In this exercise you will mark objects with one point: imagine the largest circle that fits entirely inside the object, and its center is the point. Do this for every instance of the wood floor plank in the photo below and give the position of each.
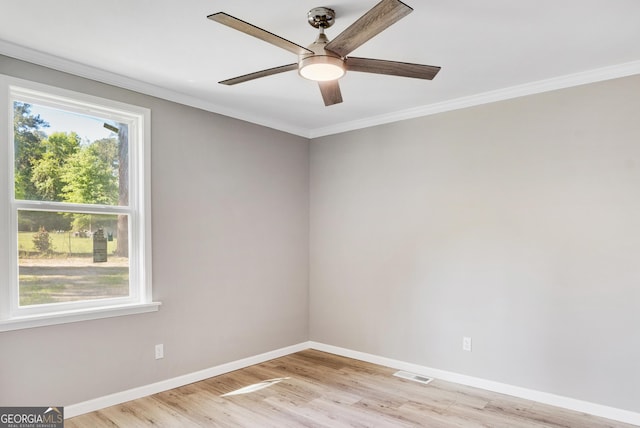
(321, 390)
(313, 416)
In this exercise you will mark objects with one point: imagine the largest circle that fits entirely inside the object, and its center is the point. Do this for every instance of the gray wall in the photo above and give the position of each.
(516, 223)
(230, 260)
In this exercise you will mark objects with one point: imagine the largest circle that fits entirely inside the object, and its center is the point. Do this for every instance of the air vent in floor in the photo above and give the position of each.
(412, 376)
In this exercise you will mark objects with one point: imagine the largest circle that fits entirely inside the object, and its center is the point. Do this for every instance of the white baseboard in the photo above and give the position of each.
(612, 413)
(165, 385)
(516, 391)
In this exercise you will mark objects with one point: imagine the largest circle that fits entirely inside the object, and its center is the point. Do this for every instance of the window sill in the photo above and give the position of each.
(78, 315)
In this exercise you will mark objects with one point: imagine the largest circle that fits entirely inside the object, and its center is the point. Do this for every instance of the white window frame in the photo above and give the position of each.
(12, 315)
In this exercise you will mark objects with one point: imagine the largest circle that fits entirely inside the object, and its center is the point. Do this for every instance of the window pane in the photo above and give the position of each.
(62, 156)
(70, 257)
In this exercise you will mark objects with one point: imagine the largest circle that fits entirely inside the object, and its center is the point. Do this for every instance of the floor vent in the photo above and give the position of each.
(412, 376)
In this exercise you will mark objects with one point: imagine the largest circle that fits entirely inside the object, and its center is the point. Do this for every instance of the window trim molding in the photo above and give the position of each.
(139, 208)
(65, 317)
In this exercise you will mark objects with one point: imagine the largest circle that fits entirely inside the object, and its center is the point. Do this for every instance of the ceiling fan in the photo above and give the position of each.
(327, 61)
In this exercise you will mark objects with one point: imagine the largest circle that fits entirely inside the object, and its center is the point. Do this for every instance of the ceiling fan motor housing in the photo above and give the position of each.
(321, 17)
(321, 65)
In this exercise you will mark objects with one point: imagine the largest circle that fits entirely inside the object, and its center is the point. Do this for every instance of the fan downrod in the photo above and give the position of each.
(321, 17)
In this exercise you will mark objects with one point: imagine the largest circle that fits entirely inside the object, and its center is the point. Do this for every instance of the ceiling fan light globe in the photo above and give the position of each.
(321, 68)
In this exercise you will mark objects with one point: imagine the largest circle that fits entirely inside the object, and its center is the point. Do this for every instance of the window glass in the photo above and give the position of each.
(62, 156)
(70, 257)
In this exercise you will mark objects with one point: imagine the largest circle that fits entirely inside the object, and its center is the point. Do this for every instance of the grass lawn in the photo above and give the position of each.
(61, 243)
(68, 273)
(54, 284)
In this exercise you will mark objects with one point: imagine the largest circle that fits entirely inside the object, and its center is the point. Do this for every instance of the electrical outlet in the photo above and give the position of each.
(159, 351)
(466, 344)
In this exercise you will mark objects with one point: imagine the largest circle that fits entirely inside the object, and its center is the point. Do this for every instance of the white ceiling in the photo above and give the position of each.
(488, 50)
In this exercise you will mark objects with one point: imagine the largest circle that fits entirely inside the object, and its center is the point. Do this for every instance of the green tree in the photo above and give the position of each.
(29, 151)
(46, 174)
(107, 150)
(28, 136)
(42, 241)
(89, 178)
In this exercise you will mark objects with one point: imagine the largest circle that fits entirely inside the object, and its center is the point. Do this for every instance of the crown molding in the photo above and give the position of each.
(103, 76)
(115, 79)
(561, 82)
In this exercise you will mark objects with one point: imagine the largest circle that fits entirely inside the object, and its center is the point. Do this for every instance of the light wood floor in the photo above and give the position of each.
(325, 390)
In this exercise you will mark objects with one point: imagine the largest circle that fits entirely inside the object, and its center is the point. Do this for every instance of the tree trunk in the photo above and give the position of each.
(122, 248)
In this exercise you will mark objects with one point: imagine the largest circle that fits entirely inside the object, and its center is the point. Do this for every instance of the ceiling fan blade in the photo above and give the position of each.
(259, 33)
(394, 68)
(258, 74)
(330, 92)
(378, 18)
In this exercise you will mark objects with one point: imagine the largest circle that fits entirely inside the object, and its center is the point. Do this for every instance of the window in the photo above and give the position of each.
(74, 207)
